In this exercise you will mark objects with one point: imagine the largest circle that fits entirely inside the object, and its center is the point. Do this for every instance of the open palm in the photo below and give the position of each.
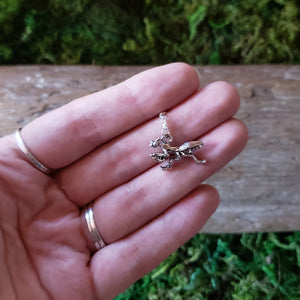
(99, 146)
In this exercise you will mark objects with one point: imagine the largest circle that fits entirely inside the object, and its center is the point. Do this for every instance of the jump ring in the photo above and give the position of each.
(34, 161)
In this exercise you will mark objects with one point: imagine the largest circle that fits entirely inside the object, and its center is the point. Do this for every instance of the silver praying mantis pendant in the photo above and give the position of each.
(171, 153)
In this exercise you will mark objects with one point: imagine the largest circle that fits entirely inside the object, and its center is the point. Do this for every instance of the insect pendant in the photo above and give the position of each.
(172, 153)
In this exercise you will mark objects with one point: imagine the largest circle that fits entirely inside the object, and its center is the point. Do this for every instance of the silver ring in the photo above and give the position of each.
(29, 155)
(92, 231)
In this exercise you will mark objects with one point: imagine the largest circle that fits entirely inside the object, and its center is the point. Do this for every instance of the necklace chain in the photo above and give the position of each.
(165, 128)
(166, 135)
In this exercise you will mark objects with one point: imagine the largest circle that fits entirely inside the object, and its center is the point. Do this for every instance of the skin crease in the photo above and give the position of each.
(99, 144)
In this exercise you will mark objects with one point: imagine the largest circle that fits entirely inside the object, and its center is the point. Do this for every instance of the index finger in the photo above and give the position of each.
(63, 136)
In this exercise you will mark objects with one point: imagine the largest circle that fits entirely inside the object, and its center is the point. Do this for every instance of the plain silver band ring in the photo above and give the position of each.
(92, 230)
(29, 155)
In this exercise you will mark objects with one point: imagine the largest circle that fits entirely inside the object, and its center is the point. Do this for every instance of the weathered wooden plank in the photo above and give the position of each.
(259, 189)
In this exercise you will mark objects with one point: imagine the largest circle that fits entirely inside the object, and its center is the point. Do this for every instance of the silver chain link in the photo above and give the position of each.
(165, 129)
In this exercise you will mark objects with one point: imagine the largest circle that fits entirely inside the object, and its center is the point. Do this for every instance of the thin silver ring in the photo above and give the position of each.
(35, 162)
(92, 230)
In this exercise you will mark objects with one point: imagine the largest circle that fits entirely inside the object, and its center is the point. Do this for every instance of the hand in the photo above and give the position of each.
(99, 146)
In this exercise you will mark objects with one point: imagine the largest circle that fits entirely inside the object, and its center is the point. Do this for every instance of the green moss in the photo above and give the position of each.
(149, 32)
(239, 267)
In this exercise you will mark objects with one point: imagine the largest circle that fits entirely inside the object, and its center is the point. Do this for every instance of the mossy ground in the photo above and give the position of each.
(118, 32)
(218, 267)
(149, 32)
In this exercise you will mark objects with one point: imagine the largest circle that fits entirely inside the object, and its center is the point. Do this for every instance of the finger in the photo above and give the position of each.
(68, 133)
(133, 204)
(127, 156)
(136, 255)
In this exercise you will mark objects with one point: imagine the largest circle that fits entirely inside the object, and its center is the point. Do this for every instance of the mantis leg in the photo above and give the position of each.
(198, 161)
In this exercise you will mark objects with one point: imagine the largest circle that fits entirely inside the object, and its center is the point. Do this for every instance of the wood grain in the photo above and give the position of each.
(260, 189)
